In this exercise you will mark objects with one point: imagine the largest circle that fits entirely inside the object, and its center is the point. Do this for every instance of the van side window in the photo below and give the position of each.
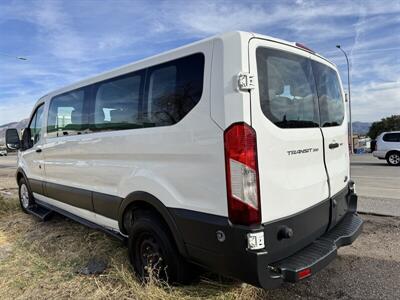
(173, 89)
(287, 89)
(329, 95)
(391, 137)
(117, 103)
(35, 125)
(66, 114)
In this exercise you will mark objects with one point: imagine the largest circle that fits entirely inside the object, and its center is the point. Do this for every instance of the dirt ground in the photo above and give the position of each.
(39, 260)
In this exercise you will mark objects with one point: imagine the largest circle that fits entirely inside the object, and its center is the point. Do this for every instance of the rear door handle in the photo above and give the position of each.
(38, 150)
(333, 145)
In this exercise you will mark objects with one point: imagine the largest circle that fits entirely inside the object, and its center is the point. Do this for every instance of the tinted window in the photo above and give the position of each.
(329, 95)
(36, 124)
(172, 90)
(287, 89)
(288, 93)
(391, 137)
(66, 114)
(117, 103)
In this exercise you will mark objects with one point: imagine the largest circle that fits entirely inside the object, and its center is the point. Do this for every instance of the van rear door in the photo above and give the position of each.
(334, 128)
(285, 116)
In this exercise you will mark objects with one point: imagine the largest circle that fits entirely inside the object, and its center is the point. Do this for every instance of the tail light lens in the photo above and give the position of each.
(242, 174)
(304, 47)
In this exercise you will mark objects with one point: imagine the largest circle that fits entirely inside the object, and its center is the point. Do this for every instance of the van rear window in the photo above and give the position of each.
(294, 91)
(329, 95)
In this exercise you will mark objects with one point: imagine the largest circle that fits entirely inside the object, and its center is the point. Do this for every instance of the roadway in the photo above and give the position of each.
(377, 185)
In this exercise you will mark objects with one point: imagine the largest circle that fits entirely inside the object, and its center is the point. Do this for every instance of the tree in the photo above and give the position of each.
(386, 124)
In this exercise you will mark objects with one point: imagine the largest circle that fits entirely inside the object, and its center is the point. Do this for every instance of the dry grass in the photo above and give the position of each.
(39, 261)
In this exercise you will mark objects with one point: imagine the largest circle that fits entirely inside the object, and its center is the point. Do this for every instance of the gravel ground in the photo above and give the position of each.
(368, 269)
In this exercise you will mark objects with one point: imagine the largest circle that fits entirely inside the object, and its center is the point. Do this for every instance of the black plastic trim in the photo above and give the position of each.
(73, 196)
(36, 186)
(110, 206)
(230, 255)
(103, 204)
(140, 197)
(22, 172)
(106, 205)
(196, 233)
(322, 251)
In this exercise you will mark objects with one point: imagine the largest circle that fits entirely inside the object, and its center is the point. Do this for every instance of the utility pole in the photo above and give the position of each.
(349, 93)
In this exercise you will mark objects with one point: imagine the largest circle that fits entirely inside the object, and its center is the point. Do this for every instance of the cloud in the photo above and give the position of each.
(69, 40)
(375, 101)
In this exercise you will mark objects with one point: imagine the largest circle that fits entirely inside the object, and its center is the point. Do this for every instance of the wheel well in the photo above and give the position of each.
(390, 152)
(152, 205)
(19, 176)
(132, 209)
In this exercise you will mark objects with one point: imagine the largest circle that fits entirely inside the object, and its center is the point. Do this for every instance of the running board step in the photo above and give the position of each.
(78, 219)
(41, 212)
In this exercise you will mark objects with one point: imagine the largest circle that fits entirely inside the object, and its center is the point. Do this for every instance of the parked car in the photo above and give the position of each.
(388, 147)
(3, 152)
(229, 153)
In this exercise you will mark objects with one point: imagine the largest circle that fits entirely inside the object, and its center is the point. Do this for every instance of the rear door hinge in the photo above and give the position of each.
(246, 81)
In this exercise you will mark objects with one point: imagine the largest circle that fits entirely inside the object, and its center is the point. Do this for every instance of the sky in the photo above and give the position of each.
(66, 41)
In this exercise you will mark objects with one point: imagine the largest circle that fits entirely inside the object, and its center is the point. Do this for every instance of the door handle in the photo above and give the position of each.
(38, 150)
(333, 145)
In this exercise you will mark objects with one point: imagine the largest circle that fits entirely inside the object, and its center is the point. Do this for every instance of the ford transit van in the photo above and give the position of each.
(230, 154)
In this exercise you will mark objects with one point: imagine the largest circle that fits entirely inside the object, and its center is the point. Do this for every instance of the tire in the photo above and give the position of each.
(152, 251)
(25, 196)
(393, 158)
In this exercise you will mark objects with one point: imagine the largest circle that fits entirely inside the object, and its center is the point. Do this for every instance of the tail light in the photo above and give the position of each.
(242, 174)
(304, 47)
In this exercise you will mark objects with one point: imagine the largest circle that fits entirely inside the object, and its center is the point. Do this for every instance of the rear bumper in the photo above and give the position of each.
(313, 245)
(319, 253)
(379, 154)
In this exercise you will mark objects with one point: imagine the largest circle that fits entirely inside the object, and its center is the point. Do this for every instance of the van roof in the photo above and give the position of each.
(224, 36)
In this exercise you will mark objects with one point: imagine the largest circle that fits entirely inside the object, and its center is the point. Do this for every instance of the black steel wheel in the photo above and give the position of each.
(153, 253)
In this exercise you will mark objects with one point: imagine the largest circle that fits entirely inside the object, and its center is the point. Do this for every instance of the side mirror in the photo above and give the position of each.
(346, 97)
(12, 139)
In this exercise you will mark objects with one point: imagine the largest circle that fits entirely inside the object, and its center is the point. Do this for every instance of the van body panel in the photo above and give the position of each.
(230, 57)
(116, 163)
(291, 167)
(337, 159)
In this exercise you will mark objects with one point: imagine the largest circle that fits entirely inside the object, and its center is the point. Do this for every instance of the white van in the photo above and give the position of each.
(229, 153)
(388, 147)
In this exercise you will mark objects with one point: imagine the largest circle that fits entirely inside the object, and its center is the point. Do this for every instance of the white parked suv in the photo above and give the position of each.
(388, 147)
(229, 153)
